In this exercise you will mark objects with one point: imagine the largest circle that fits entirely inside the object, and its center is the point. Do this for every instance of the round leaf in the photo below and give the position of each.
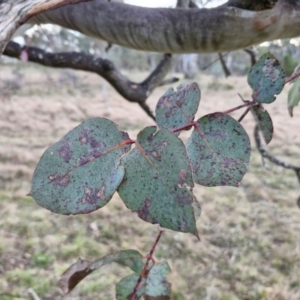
(158, 181)
(178, 108)
(219, 151)
(264, 122)
(266, 78)
(156, 283)
(125, 287)
(82, 171)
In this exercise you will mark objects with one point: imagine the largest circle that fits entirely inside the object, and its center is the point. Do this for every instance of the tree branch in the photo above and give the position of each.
(225, 28)
(255, 5)
(271, 158)
(192, 4)
(131, 91)
(13, 13)
(183, 3)
(223, 64)
(147, 110)
(169, 81)
(213, 62)
(252, 55)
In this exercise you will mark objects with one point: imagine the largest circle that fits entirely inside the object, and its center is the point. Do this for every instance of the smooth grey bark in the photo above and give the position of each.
(221, 29)
(13, 13)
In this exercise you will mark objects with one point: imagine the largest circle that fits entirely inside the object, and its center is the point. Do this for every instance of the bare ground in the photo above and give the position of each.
(250, 236)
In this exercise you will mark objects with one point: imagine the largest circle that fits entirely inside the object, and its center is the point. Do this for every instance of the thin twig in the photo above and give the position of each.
(223, 64)
(184, 127)
(244, 114)
(245, 101)
(271, 158)
(291, 78)
(147, 110)
(252, 55)
(144, 272)
(248, 104)
(213, 62)
(169, 81)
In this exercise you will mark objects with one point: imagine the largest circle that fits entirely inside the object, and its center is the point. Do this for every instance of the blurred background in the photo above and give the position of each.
(250, 236)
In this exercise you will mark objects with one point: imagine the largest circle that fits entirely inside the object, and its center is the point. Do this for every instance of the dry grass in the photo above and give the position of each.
(250, 246)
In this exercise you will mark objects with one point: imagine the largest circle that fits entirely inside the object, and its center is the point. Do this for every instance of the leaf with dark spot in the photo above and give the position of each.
(157, 287)
(153, 286)
(178, 108)
(126, 285)
(65, 151)
(266, 78)
(159, 187)
(74, 274)
(294, 96)
(219, 151)
(82, 171)
(128, 258)
(263, 121)
(82, 268)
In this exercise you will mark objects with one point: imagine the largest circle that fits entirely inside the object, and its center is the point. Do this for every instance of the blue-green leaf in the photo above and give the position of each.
(125, 287)
(153, 286)
(158, 181)
(127, 258)
(263, 121)
(178, 108)
(219, 151)
(157, 287)
(267, 78)
(82, 171)
(294, 96)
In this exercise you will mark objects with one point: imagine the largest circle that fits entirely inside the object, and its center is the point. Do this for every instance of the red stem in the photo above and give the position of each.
(244, 114)
(144, 272)
(187, 126)
(291, 78)
(248, 104)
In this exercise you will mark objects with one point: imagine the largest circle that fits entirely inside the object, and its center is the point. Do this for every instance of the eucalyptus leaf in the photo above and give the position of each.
(157, 287)
(127, 258)
(219, 151)
(125, 287)
(82, 171)
(74, 274)
(294, 96)
(266, 78)
(178, 108)
(158, 181)
(263, 121)
(82, 268)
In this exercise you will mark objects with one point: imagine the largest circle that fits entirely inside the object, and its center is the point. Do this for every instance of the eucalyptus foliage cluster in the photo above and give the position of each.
(155, 177)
